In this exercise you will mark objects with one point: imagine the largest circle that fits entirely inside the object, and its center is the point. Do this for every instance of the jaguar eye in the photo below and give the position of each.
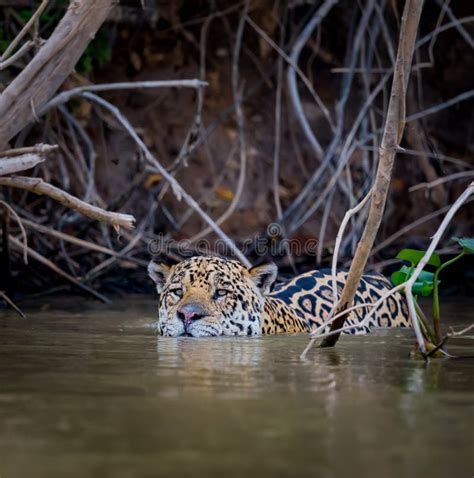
(178, 292)
(220, 293)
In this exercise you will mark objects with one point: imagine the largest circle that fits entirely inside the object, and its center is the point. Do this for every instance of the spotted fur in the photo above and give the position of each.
(211, 296)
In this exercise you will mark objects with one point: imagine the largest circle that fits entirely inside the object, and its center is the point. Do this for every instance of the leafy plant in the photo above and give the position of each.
(427, 283)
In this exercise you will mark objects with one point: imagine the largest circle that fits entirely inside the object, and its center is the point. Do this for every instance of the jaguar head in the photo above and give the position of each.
(210, 296)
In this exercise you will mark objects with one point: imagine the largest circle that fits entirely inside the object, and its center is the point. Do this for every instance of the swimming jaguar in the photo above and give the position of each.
(212, 296)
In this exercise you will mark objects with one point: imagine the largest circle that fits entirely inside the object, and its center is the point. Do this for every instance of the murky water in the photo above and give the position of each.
(89, 391)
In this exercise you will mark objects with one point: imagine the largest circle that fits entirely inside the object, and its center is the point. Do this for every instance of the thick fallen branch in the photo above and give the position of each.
(55, 60)
(38, 186)
(392, 136)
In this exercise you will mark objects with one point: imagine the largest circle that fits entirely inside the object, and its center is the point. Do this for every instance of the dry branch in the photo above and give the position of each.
(66, 96)
(55, 60)
(19, 163)
(38, 186)
(392, 136)
(40, 148)
(442, 180)
(20, 159)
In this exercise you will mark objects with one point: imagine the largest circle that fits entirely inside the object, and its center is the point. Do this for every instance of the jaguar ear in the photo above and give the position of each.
(158, 273)
(264, 276)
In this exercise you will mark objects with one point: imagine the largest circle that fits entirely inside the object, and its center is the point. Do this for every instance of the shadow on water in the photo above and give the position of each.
(88, 390)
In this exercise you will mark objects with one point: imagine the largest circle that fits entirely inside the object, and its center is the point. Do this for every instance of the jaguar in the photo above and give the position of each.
(212, 296)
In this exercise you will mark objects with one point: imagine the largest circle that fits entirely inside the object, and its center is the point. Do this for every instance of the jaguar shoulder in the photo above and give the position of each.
(212, 296)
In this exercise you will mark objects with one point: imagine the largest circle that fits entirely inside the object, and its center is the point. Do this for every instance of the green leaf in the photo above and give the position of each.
(398, 277)
(423, 276)
(414, 256)
(422, 288)
(423, 285)
(467, 243)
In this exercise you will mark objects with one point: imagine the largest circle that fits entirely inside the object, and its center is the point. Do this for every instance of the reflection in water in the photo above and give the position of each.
(93, 392)
(237, 367)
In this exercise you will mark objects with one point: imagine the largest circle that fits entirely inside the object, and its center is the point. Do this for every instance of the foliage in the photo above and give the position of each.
(414, 256)
(467, 243)
(424, 284)
(427, 283)
(97, 54)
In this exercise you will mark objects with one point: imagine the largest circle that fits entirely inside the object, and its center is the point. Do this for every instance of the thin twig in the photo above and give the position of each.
(11, 47)
(22, 229)
(340, 234)
(436, 155)
(66, 96)
(12, 304)
(441, 106)
(15, 57)
(41, 149)
(93, 273)
(444, 179)
(454, 333)
(450, 334)
(458, 25)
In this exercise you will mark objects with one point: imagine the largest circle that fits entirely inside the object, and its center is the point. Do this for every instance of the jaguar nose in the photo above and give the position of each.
(190, 312)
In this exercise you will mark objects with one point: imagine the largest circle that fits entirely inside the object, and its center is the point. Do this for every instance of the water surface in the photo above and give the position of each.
(88, 390)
